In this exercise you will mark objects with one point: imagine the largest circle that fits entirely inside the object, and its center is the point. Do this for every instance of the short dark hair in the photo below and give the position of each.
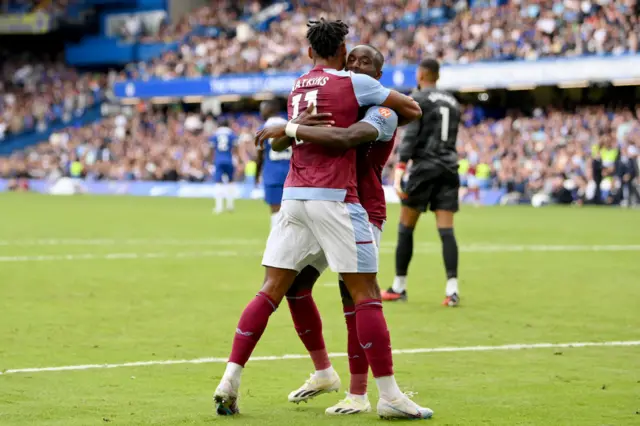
(269, 107)
(326, 37)
(430, 64)
(271, 103)
(379, 57)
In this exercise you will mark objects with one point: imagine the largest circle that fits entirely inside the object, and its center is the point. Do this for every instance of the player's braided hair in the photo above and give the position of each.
(326, 37)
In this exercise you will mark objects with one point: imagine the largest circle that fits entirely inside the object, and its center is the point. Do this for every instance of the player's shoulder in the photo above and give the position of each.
(364, 79)
(337, 73)
(384, 119)
(356, 79)
(384, 113)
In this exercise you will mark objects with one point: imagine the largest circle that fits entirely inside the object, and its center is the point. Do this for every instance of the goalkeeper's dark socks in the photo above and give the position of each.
(449, 251)
(404, 250)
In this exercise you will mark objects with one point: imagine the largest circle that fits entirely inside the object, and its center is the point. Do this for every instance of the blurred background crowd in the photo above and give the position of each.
(404, 30)
(570, 153)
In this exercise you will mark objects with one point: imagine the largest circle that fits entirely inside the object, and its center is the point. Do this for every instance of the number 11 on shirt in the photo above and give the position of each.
(311, 98)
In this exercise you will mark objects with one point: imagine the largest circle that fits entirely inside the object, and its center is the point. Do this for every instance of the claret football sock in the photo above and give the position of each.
(358, 365)
(374, 338)
(308, 325)
(252, 324)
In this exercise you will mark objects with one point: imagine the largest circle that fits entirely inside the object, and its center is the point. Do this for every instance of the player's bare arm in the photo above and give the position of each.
(403, 121)
(407, 109)
(280, 144)
(235, 152)
(332, 137)
(259, 164)
(378, 124)
(337, 137)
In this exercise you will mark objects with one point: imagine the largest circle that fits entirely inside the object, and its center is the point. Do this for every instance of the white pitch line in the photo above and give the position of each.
(124, 256)
(423, 247)
(426, 246)
(135, 241)
(231, 253)
(497, 248)
(510, 347)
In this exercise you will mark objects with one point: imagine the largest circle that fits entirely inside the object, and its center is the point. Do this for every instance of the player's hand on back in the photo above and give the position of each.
(271, 132)
(307, 118)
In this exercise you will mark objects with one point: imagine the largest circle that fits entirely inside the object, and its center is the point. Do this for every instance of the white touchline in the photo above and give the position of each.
(131, 241)
(124, 256)
(510, 347)
(383, 250)
(425, 247)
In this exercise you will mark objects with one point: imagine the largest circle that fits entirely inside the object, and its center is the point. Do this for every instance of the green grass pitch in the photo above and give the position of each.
(110, 280)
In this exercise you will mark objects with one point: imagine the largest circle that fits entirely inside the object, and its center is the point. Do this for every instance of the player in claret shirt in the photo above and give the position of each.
(374, 136)
(321, 218)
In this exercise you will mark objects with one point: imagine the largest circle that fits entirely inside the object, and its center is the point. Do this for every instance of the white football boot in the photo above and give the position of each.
(352, 404)
(314, 386)
(402, 408)
(225, 398)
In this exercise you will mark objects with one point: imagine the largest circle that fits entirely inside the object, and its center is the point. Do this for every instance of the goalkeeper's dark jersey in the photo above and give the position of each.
(431, 141)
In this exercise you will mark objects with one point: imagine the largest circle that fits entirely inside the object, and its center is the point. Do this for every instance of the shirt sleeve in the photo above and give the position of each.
(385, 121)
(368, 90)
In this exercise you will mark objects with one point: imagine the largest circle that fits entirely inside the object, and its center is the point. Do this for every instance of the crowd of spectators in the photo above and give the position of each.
(16, 6)
(36, 91)
(586, 155)
(218, 18)
(56, 7)
(29, 6)
(147, 145)
(569, 156)
(454, 31)
(581, 156)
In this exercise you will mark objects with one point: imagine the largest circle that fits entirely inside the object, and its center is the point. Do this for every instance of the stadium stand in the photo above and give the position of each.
(569, 153)
(36, 91)
(521, 155)
(406, 31)
(30, 6)
(150, 145)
